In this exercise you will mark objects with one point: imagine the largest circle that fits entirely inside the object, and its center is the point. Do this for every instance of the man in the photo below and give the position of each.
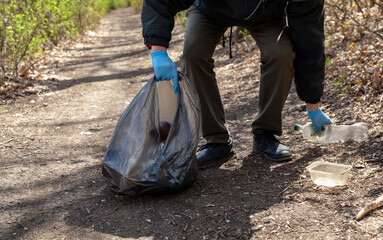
(290, 36)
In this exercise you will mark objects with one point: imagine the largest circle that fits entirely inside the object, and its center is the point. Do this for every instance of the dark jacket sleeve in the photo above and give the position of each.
(157, 17)
(306, 20)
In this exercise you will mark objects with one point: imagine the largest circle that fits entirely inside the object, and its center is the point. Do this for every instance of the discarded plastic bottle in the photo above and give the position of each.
(334, 133)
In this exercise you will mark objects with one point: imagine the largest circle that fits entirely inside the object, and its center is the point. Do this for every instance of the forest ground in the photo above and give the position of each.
(54, 134)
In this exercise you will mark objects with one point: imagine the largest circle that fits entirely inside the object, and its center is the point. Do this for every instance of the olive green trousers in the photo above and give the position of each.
(201, 38)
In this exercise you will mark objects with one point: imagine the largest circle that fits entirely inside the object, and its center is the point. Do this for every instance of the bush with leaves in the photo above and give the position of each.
(354, 38)
(29, 26)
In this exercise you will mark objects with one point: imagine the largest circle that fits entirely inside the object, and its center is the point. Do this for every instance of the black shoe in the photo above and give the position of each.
(213, 154)
(270, 147)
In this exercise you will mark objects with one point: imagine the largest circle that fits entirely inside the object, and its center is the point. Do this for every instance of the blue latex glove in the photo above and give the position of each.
(165, 68)
(318, 119)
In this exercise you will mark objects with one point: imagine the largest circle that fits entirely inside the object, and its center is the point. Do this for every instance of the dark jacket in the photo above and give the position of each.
(305, 19)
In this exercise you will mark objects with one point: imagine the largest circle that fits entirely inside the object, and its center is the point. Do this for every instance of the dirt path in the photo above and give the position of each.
(52, 144)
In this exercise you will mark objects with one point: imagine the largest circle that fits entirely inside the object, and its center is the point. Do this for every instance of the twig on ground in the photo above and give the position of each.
(284, 190)
(226, 218)
(258, 192)
(220, 233)
(183, 214)
(197, 234)
(6, 141)
(375, 204)
(185, 227)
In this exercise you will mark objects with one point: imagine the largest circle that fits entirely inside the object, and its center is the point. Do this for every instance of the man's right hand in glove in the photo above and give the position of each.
(164, 67)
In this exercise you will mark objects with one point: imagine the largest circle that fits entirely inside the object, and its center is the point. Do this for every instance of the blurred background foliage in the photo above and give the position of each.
(27, 27)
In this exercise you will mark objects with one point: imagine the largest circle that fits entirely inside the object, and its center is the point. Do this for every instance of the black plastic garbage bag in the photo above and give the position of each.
(136, 162)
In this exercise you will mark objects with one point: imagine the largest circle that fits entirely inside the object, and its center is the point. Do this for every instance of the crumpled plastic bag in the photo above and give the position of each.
(136, 162)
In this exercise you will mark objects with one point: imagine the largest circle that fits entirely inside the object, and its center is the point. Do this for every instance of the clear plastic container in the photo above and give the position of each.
(334, 133)
(329, 174)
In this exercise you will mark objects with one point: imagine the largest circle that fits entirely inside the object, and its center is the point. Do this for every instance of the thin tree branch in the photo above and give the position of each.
(360, 8)
(31, 65)
(356, 21)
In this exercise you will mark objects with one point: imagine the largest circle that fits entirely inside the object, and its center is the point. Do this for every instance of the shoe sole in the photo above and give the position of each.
(282, 159)
(218, 162)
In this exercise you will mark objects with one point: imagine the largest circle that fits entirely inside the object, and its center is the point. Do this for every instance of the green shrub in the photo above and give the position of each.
(28, 26)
